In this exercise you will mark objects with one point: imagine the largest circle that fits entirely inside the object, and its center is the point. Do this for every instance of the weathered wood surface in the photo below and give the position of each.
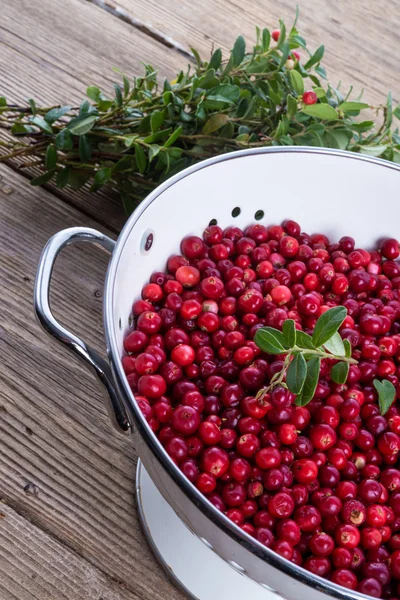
(53, 50)
(78, 537)
(38, 567)
(359, 37)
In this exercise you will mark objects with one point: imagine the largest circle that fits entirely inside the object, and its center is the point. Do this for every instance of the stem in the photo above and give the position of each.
(278, 378)
(351, 361)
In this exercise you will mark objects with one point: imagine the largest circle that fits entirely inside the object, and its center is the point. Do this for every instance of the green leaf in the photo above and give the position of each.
(296, 374)
(334, 138)
(56, 113)
(93, 93)
(118, 95)
(304, 341)
(20, 128)
(270, 340)
(32, 104)
(125, 164)
(129, 203)
(386, 394)
(78, 178)
(130, 140)
(64, 140)
(297, 82)
(215, 122)
(339, 372)
(42, 179)
(396, 111)
(216, 58)
(335, 345)
(84, 108)
(126, 85)
(81, 125)
(352, 106)
(315, 58)
(311, 381)
(208, 80)
(289, 332)
(321, 93)
(104, 105)
(282, 35)
(320, 111)
(3, 101)
(291, 105)
(373, 150)
(159, 135)
(226, 93)
(266, 39)
(51, 157)
(173, 137)
(156, 120)
(196, 55)
(141, 159)
(42, 124)
(85, 149)
(327, 324)
(62, 178)
(102, 176)
(347, 348)
(238, 51)
(321, 71)
(153, 151)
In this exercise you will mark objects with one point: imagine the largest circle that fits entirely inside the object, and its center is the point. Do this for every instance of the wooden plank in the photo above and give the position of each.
(359, 39)
(34, 566)
(54, 430)
(52, 51)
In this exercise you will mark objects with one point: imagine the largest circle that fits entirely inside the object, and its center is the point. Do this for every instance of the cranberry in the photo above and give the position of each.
(353, 512)
(206, 483)
(318, 565)
(177, 448)
(281, 505)
(307, 517)
(304, 470)
(215, 461)
(152, 386)
(247, 445)
(321, 544)
(347, 536)
(322, 437)
(345, 578)
(233, 494)
(309, 97)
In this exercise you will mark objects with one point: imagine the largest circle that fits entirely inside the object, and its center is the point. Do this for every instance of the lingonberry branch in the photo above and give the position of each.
(149, 131)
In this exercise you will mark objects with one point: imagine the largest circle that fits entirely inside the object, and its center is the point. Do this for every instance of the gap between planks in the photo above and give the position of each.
(119, 12)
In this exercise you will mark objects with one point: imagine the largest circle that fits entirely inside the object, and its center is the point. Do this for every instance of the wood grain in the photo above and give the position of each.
(52, 51)
(54, 430)
(37, 567)
(359, 37)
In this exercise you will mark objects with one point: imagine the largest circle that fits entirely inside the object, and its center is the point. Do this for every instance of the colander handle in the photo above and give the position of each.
(100, 366)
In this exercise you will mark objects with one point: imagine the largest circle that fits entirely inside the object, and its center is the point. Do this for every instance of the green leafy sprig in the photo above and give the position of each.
(150, 130)
(303, 354)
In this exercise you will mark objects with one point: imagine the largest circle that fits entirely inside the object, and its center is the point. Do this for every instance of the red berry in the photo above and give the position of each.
(309, 97)
(275, 34)
(215, 461)
(305, 470)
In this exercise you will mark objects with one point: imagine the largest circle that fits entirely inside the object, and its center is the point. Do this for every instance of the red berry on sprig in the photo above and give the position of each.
(309, 97)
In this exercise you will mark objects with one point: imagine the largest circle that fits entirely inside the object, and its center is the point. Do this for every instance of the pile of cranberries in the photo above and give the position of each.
(319, 484)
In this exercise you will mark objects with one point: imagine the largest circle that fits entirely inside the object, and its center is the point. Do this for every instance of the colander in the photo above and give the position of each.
(332, 192)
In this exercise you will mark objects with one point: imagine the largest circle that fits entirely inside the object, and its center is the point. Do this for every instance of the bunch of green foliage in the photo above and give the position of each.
(148, 131)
